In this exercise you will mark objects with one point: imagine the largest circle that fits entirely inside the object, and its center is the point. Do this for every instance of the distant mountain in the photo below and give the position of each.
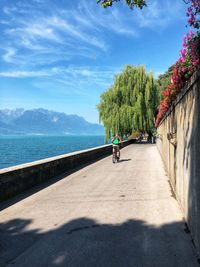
(42, 121)
(8, 115)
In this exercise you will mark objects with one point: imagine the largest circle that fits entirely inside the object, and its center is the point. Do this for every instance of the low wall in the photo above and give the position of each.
(22, 177)
(179, 145)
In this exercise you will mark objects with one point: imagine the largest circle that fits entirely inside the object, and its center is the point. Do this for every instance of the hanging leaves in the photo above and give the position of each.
(130, 3)
(130, 103)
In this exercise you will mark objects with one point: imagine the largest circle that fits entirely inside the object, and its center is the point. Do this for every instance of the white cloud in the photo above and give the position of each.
(159, 14)
(74, 71)
(9, 10)
(8, 56)
(41, 31)
(32, 35)
(107, 20)
(76, 32)
(24, 74)
(4, 22)
(70, 80)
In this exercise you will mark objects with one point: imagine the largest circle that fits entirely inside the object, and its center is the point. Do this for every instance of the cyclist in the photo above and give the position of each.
(116, 141)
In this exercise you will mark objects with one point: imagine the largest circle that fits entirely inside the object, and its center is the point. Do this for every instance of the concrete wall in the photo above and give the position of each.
(22, 177)
(179, 145)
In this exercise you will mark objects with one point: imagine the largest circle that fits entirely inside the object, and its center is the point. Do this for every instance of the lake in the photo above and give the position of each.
(15, 150)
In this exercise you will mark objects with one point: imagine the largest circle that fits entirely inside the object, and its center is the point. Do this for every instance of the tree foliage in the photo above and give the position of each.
(164, 80)
(130, 103)
(130, 3)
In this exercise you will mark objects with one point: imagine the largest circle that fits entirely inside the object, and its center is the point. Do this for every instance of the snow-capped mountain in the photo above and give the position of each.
(42, 121)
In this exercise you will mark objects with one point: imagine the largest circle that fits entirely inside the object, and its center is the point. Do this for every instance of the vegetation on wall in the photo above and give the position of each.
(163, 81)
(130, 103)
(186, 65)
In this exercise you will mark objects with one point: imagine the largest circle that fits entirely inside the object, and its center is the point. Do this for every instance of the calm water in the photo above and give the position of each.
(16, 150)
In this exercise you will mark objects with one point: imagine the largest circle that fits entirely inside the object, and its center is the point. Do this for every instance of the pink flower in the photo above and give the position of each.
(184, 44)
(191, 33)
(179, 60)
(183, 53)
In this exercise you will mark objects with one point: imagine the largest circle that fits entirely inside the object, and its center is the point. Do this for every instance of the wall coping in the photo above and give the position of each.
(188, 86)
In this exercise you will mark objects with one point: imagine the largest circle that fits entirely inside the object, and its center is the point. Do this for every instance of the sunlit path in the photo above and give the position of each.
(102, 215)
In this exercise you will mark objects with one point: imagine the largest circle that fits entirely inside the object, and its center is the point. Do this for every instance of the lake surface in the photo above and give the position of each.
(15, 150)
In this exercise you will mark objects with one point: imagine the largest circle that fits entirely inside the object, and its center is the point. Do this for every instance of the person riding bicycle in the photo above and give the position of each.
(116, 141)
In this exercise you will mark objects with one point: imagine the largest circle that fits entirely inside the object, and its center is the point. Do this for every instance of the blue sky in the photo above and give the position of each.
(61, 55)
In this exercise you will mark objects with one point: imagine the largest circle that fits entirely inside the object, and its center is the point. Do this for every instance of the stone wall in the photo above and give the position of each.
(22, 177)
(179, 145)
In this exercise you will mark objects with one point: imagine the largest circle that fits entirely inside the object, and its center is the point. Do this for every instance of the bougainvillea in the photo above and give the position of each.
(186, 65)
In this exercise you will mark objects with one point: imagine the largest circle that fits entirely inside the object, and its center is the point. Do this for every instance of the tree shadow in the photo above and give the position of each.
(85, 242)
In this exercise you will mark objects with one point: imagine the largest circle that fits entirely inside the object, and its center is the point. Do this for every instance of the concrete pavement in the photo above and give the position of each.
(103, 215)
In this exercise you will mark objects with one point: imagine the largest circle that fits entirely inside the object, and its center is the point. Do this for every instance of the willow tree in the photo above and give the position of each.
(130, 103)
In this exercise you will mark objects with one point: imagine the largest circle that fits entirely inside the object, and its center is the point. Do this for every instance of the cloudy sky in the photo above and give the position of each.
(61, 55)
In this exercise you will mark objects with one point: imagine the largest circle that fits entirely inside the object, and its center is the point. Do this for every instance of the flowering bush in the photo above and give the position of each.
(186, 65)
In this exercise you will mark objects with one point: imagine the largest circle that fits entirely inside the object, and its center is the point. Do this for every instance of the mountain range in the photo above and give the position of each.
(42, 121)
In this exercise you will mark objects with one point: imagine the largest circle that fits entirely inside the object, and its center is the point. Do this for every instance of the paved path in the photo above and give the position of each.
(103, 215)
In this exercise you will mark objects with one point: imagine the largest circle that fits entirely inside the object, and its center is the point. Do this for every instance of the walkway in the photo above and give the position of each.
(100, 216)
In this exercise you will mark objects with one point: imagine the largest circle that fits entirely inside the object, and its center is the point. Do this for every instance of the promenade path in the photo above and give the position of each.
(103, 215)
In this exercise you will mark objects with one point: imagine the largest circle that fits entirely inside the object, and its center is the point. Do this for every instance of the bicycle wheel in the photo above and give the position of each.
(114, 160)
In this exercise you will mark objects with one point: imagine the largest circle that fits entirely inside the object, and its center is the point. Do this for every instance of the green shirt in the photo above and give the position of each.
(116, 141)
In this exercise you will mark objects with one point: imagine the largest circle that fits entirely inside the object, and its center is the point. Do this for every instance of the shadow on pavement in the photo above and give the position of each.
(86, 243)
(122, 160)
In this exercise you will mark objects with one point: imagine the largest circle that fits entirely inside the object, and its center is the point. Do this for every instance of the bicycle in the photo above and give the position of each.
(115, 157)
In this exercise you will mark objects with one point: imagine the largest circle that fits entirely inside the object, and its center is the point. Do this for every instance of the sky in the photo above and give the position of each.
(61, 55)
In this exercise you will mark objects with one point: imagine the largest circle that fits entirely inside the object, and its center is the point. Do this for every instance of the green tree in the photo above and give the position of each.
(130, 103)
(130, 3)
(163, 81)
